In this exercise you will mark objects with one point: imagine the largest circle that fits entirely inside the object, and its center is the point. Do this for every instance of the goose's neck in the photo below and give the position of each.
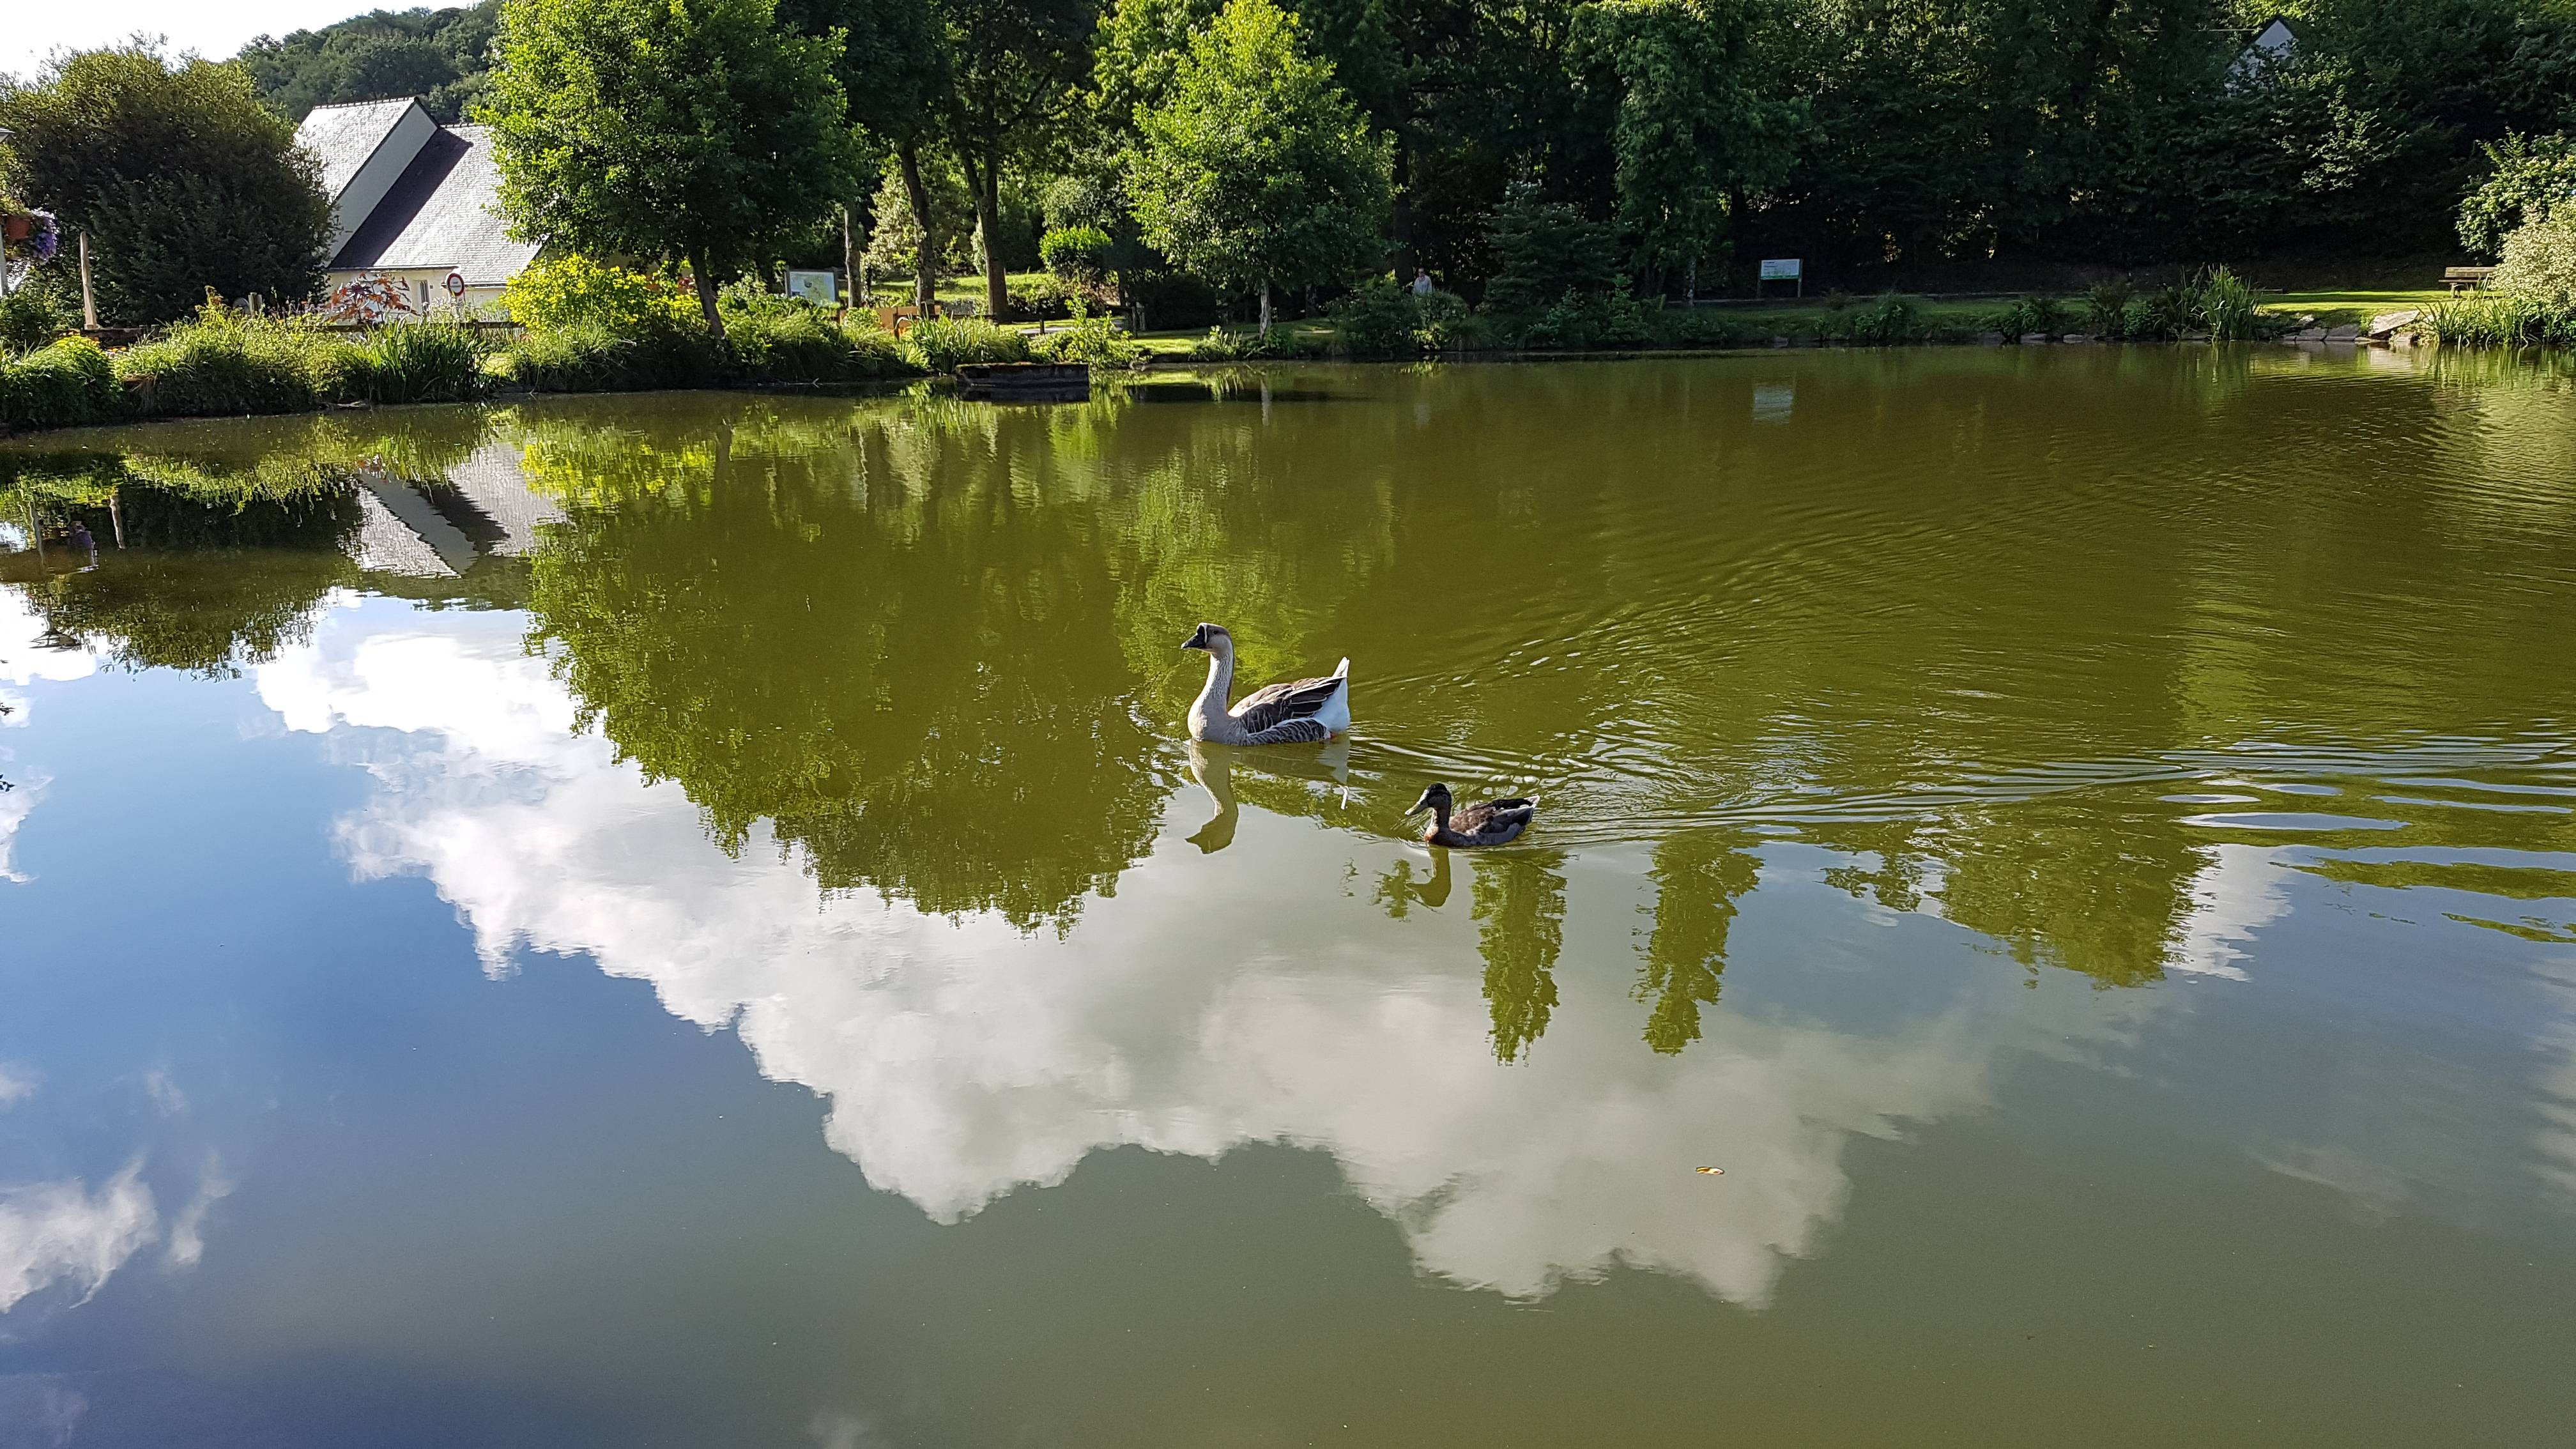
(1220, 680)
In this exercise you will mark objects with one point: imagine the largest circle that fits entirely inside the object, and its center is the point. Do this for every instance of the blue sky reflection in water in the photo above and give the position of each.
(688, 920)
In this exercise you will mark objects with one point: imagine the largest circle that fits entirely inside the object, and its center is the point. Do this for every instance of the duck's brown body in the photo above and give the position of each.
(1489, 822)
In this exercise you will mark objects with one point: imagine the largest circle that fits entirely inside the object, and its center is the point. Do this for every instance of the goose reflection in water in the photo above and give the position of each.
(1270, 773)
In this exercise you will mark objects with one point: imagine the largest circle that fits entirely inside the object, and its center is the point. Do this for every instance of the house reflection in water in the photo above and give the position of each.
(442, 528)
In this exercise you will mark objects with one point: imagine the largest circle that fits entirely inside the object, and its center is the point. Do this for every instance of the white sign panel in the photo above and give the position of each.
(823, 288)
(1780, 269)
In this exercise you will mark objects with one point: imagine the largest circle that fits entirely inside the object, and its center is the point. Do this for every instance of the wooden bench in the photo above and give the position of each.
(890, 320)
(2472, 277)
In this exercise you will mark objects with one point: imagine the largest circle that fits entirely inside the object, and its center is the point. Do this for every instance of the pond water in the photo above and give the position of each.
(690, 920)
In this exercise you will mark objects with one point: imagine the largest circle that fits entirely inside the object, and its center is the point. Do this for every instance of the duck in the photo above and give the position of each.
(1305, 712)
(1492, 822)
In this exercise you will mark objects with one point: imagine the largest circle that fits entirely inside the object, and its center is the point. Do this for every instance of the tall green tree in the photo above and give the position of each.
(894, 69)
(1693, 125)
(685, 130)
(1256, 169)
(1015, 71)
(441, 56)
(183, 179)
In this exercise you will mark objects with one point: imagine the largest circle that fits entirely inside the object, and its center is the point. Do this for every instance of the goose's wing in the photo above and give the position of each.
(1267, 709)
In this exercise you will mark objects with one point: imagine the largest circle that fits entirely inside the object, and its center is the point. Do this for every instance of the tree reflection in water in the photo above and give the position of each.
(1519, 909)
(1700, 877)
(896, 649)
(926, 647)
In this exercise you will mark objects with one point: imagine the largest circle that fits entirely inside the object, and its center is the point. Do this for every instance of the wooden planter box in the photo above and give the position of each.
(1024, 381)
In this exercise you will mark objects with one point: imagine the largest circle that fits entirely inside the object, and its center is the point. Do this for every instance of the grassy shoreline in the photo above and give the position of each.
(224, 365)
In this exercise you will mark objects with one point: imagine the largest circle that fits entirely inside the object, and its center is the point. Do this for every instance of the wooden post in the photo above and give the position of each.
(849, 258)
(89, 299)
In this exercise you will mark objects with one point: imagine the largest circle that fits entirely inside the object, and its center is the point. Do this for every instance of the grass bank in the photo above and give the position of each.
(223, 363)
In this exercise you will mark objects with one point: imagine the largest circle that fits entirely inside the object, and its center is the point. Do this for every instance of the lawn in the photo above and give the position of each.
(2335, 309)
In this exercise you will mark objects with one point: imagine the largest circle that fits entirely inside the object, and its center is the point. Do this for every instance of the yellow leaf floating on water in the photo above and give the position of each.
(1714, 1171)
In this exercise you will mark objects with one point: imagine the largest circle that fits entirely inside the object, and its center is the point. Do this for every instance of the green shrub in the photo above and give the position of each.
(2107, 308)
(804, 345)
(1092, 340)
(2166, 313)
(940, 344)
(2539, 263)
(1378, 319)
(63, 384)
(417, 362)
(1045, 298)
(1884, 323)
(595, 358)
(223, 362)
(36, 312)
(1580, 320)
(1075, 253)
(2227, 307)
(1443, 322)
(1245, 344)
(578, 291)
(2028, 315)
(2490, 318)
(1703, 327)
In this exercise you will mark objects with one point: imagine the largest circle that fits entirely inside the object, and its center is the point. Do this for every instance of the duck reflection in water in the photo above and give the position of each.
(1399, 891)
(1269, 778)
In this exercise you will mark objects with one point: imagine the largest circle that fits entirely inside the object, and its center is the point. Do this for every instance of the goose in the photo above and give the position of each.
(1494, 822)
(1280, 714)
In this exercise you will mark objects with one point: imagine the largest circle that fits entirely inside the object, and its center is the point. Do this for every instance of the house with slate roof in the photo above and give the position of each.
(412, 201)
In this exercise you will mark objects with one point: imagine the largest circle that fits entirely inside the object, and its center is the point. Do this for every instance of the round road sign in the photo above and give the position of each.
(456, 284)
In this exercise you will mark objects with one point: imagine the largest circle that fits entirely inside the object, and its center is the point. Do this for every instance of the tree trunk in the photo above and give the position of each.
(984, 178)
(1265, 308)
(1400, 217)
(89, 298)
(705, 275)
(925, 271)
(849, 260)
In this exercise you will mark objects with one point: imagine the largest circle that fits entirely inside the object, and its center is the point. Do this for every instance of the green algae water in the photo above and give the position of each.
(691, 920)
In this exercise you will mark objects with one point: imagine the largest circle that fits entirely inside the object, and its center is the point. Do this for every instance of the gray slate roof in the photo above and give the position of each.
(443, 212)
(345, 136)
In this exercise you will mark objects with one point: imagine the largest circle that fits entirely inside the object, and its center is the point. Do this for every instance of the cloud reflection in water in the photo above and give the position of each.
(1214, 1001)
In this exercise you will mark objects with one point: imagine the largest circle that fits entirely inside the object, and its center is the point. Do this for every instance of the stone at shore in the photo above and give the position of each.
(2346, 333)
(1990, 339)
(2387, 323)
(2033, 339)
(2309, 334)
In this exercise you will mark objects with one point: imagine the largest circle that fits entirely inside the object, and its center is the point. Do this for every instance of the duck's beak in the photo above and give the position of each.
(1419, 806)
(1197, 639)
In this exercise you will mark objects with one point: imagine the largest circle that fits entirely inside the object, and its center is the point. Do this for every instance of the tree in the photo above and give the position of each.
(1013, 69)
(1257, 169)
(689, 130)
(441, 56)
(1691, 128)
(895, 73)
(2532, 175)
(179, 174)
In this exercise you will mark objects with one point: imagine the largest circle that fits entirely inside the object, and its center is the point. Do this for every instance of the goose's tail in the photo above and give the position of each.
(1336, 713)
